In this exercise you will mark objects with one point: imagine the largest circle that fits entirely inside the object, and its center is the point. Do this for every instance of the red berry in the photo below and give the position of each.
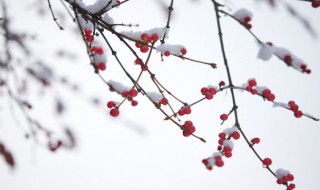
(298, 114)
(219, 148)
(111, 104)
(271, 97)
(255, 140)
(223, 117)
(220, 141)
(252, 82)
(144, 49)
(227, 149)
(205, 161)
(181, 112)
(213, 91)
(114, 112)
(154, 37)
(235, 135)
(204, 90)
(134, 103)
(228, 154)
(247, 19)
(186, 133)
(254, 91)
(219, 163)
(315, 4)
(124, 93)
(303, 67)
(249, 88)
(164, 101)
(138, 44)
(222, 83)
(183, 51)
(308, 71)
(133, 92)
(166, 53)
(266, 92)
(87, 32)
(144, 67)
(291, 186)
(187, 110)
(89, 38)
(248, 26)
(267, 161)
(287, 59)
(145, 37)
(280, 181)
(209, 96)
(290, 177)
(137, 61)
(102, 66)
(222, 135)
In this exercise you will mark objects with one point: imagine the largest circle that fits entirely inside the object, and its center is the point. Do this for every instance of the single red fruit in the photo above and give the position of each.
(298, 114)
(134, 103)
(209, 96)
(102, 66)
(114, 112)
(255, 140)
(181, 112)
(315, 4)
(166, 53)
(287, 59)
(213, 91)
(154, 37)
(222, 135)
(138, 44)
(254, 91)
(186, 133)
(247, 19)
(248, 26)
(252, 82)
(133, 92)
(235, 135)
(280, 181)
(222, 83)
(164, 101)
(204, 90)
(183, 51)
(249, 88)
(219, 163)
(267, 161)
(137, 61)
(187, 110)
(290, 177)
(145, 37)
(144, 49)
(228, 154)
(266, 92)
(87, 32)
(223, 117)
(111, 104)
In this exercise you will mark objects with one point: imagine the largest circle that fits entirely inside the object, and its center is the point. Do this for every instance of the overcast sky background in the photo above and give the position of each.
(140, 151)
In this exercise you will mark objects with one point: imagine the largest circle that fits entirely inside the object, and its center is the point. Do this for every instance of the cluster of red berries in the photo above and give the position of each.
(265, 92)
(315, 3)
(213, 161)
(250, 86)
(295, 108)
(285, 179)
(184, 111)
(7, 155)
(188, 128)
(99, 51)
(130, 95)
(208, 92)
(114, 111)
(245, 21)
(88, 35)
(183, 51)
(163, 101)
(305, 69)
(145, 40)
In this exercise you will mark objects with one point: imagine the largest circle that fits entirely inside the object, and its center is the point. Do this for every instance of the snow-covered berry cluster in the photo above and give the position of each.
(244, 17)
(251, 86)
(268, 49)
(209, 92)
(168, 49)
(295, 108)
(284, 177)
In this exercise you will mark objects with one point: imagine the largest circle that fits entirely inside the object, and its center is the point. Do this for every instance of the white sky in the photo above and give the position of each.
(140, 151)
